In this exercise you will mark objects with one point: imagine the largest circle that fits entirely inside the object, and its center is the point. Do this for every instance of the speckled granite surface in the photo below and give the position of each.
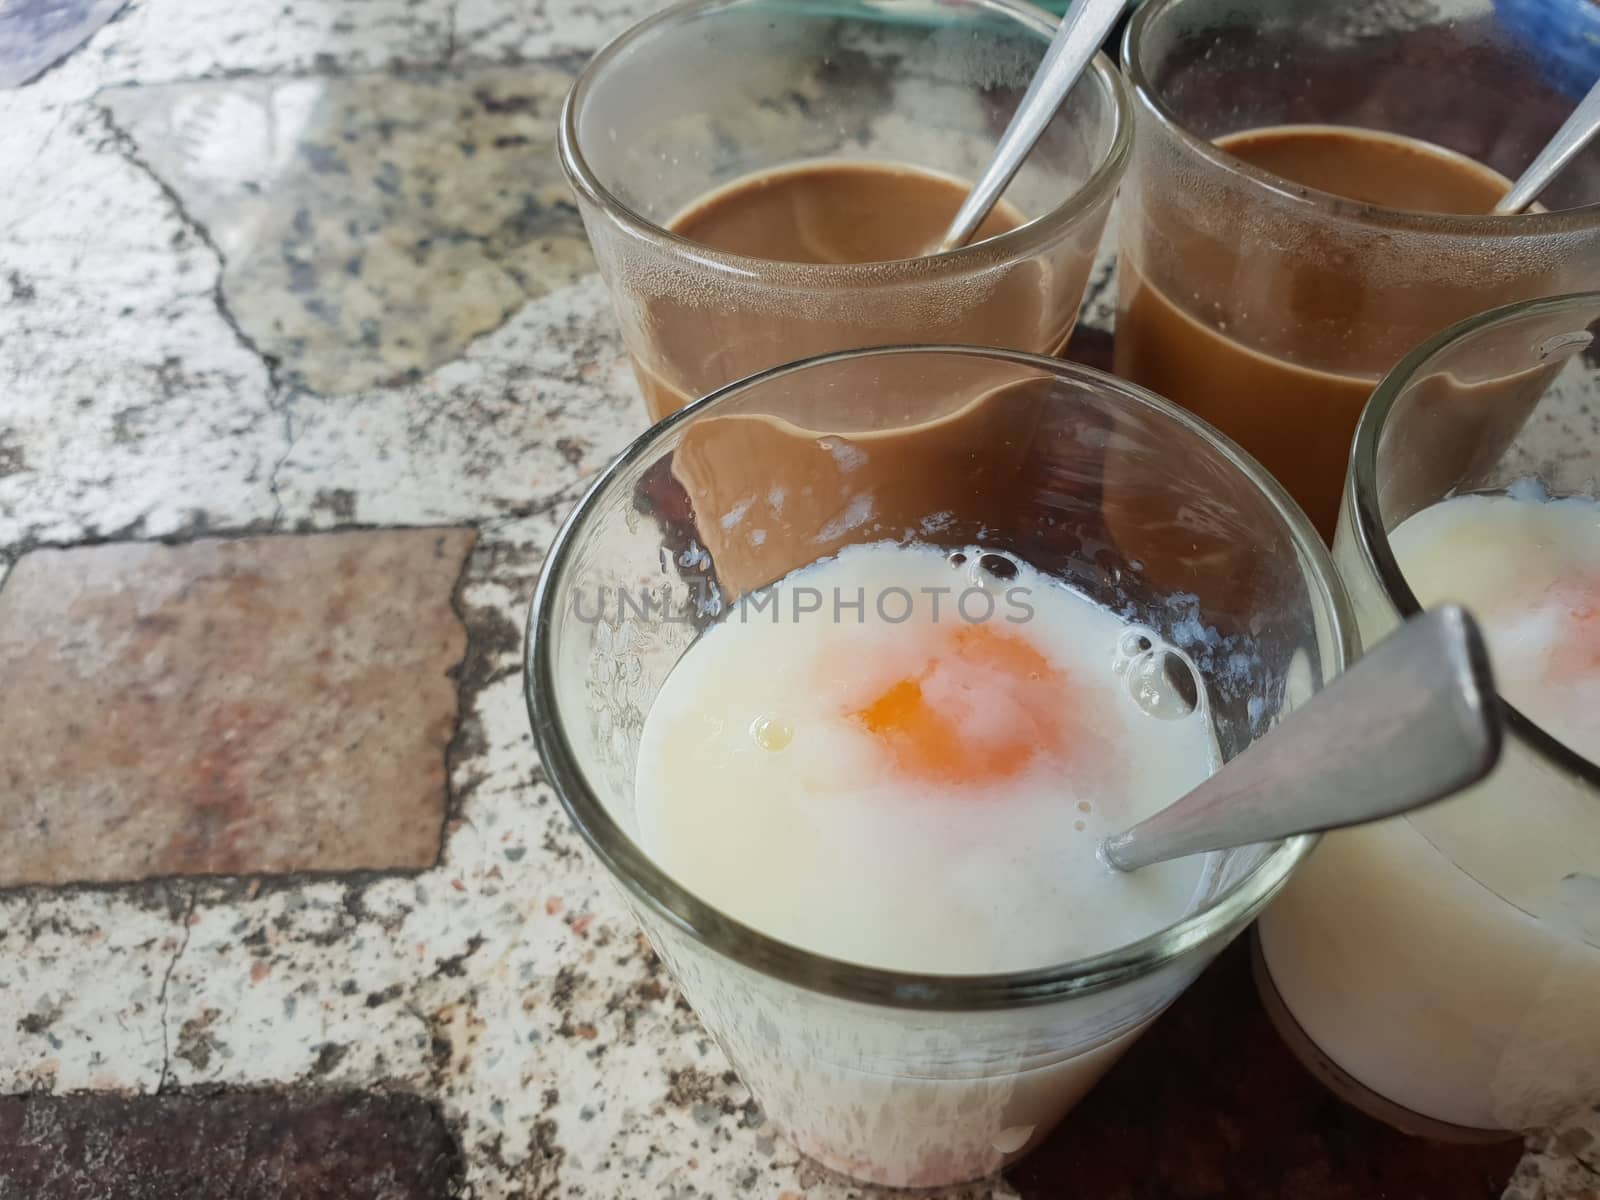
(252, 281)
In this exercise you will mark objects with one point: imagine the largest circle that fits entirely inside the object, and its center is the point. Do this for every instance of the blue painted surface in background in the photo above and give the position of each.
(1563, 36)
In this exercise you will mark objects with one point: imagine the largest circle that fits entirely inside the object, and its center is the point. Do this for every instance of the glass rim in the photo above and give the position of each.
(1011, 246)
(721, 933)
(1329, 204)
(1361, 486)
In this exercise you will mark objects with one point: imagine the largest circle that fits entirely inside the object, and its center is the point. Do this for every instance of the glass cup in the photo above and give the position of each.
(1271, 308)
(890, 1077)
(1393, 965)
(712, 91)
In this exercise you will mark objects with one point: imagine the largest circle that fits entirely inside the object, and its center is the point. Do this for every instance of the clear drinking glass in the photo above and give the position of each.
(1404, 981)
(711, 91)
(891, 1077)
(1271, 308)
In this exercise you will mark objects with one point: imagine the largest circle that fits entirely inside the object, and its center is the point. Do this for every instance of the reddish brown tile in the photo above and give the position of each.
(262, 705)
(247, 1146)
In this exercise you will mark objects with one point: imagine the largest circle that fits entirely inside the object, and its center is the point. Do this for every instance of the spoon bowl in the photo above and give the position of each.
(1413, 722)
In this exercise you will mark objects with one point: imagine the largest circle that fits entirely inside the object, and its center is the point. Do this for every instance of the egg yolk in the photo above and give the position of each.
(982, 707)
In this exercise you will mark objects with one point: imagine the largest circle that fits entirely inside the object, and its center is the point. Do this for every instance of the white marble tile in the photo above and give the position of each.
(371, 227)
(163, 40)
(130, 404)
(505, 30)
(36, 34)
(527, 411)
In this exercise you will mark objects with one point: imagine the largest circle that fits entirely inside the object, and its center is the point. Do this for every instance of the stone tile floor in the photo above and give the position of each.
(255, 289)
(266, 704)
(348, 1146)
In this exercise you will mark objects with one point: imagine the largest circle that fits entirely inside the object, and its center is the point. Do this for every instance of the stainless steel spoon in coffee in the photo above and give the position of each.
(1077, 40)
(1574, 134)
(1412, 722)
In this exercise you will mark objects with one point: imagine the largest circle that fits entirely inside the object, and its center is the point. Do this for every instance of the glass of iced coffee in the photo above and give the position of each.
(1309, 197)
(766, 181)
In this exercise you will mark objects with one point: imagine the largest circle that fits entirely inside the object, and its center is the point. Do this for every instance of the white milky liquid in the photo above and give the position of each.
(1531, 573)
(927, 794)
(1451, 961)
(1530, 569)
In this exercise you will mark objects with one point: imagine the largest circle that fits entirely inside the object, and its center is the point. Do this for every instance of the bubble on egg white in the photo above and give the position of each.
(771, 733)
(1162, 684)
(987, 571)
(1000, 566)
(1130, 646)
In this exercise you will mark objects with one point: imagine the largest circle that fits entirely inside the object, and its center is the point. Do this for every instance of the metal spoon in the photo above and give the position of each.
(1573, 136)
(1078, 38)
(1414, 721)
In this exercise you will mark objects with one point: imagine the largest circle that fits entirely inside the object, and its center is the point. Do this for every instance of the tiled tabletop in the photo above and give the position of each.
(302, 358)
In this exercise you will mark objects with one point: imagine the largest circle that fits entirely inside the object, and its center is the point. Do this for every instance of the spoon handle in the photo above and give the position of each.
(1077, 40)
(1412, 722)
(1573, 136)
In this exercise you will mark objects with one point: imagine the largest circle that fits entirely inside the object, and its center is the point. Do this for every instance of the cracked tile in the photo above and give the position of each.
(82, 1003)
(503, 980)
(228, 707)
(350, 1146)
(36, 33)
(372, 226)
(528, 411)
(276, 988)
(145, 419)
(130, 406)
(508, 981)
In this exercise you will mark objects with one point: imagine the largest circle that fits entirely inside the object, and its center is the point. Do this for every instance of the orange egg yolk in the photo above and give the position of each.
(980, 710)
